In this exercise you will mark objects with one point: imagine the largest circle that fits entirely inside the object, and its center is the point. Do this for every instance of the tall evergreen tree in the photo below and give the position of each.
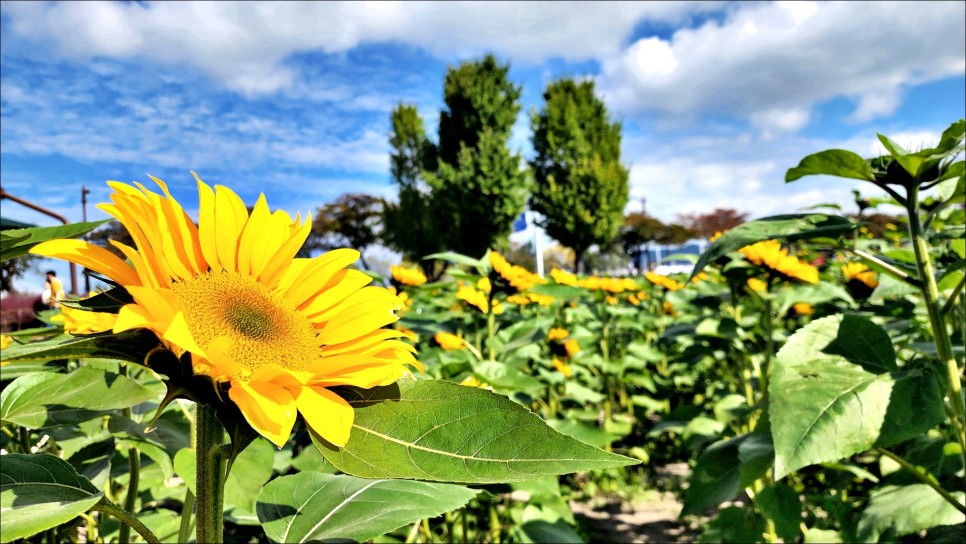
(408, 224)
(478, 186)
(580, 185)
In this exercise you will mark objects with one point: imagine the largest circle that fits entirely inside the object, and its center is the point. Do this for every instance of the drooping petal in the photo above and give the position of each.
(268, 408)
(326, 413)
(90, 256)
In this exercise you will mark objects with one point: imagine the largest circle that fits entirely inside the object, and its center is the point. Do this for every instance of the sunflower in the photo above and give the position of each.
(279, 331)
(772, 255)
(562, 277)
(562, 367)
(448, 341)
(859, 280)
(663, 281)
(82, 322)
(407, 276)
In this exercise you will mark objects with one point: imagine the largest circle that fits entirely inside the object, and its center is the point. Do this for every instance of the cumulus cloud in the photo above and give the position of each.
(771, 63)
(245, 44)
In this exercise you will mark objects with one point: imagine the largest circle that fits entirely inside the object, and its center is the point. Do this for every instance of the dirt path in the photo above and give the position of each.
(651, 518)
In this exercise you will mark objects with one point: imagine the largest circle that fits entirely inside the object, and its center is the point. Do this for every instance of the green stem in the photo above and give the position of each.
(210, 476)
(23, 436)
(925, 477)
(127, 520)
(494, 524)
(893, 270)
(130, 501)
(187, 506)
(490, 324)
(930, 293)
(955, 295)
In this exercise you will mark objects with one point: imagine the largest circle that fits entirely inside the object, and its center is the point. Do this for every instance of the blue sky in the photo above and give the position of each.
(717, 99)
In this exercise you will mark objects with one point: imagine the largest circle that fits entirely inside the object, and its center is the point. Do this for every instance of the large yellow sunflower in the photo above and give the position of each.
(279, 330)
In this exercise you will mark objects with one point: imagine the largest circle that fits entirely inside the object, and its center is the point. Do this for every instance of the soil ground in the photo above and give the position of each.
(650, 518)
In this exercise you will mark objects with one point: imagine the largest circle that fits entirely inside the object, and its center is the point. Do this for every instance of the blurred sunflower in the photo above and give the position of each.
(663, 281)
(448, 341)
(407, 276)
(279, 331)
(773, 256)
(562, 367)
(516, 277)
(563, 278)
(859, 279)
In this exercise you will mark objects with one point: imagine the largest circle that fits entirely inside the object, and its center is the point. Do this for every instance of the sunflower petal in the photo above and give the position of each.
(90, 256)
(270, 409)
(326, 413)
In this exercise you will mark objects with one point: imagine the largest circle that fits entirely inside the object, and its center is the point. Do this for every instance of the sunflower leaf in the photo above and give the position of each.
(439, 431)
(316, 506)
(127, 346)
(38, 492)
(15, 243)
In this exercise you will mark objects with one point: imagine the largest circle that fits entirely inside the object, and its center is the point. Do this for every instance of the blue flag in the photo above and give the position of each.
(520, 223)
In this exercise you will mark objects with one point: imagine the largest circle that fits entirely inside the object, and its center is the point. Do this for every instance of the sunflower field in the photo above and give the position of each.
(807, 374)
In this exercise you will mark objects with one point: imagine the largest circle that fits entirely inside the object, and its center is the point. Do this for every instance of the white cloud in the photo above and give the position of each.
(772, 62)
(245, 44)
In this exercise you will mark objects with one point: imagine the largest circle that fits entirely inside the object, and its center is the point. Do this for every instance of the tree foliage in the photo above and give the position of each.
(706, 225)
(639, 229)
(462, 194)
(580, 185)
(352, 220)
(478, 187)
(408, 224)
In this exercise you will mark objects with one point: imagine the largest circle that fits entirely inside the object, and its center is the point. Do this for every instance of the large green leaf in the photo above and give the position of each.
(832, 162)
(836, 390)
(315, 506)
(47, 399)
(130, 346)
(903, 510)
(715, 478)
(440, 431)
(780, 503)
(38, 492)
(779, 227)
(15, 243)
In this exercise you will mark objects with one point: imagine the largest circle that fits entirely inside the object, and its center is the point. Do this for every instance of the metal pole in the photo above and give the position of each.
(84, 192)
(57, 216)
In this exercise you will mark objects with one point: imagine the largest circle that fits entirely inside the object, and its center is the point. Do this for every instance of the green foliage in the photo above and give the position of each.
(478, 187)
(408, 224)
(836, 390)
(439, 431)
(311, 506)
(38, 492)
(351, 221)
(580, 186)
(464, 193)
(17, 242)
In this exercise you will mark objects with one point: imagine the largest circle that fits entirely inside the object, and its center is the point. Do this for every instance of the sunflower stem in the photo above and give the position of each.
(210, 476)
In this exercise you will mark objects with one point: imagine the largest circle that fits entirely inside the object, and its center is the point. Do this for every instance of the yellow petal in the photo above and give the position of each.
(230, 218)
(365, 311)
(326, 413)
(268, 408)
(90, 256)
(343, 285)
(207, 237)
(315, 274)
(255, 227)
